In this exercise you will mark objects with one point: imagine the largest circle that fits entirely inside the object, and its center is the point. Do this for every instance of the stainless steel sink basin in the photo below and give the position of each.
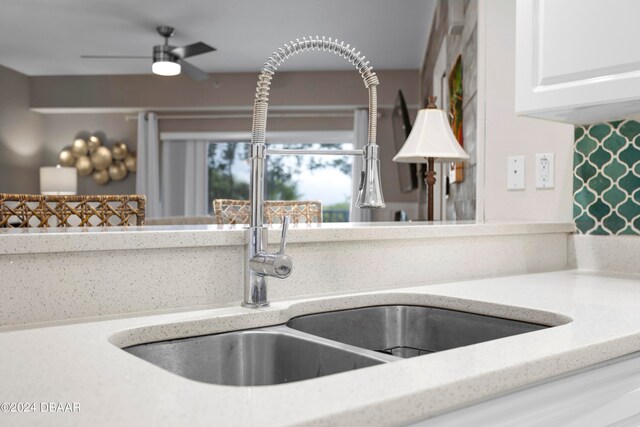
(265, 356)
(322, 344)
(408, 331)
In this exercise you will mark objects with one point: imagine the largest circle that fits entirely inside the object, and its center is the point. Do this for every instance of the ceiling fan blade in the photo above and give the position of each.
(114, 57)
(192, 71)
(192, 50)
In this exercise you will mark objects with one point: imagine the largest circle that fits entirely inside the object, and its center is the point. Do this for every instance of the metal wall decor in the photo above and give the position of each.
(91, 157)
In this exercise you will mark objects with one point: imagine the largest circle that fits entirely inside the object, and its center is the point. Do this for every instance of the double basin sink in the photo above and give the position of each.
(322, 344)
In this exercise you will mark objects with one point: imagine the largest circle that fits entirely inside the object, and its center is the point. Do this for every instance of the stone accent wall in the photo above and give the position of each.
(461, 203)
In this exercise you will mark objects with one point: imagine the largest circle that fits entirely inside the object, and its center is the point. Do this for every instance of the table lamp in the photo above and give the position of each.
(58, 180)
(431, 140)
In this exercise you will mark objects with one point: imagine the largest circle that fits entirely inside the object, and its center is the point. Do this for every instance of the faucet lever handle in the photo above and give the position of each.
(286, 220)
(274, 265)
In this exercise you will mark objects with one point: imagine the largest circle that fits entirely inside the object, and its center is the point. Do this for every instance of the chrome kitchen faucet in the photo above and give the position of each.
(260, 263)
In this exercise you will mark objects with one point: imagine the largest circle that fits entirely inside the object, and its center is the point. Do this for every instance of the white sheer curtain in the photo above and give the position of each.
(360, 131)
(148, 171)
(184, 178)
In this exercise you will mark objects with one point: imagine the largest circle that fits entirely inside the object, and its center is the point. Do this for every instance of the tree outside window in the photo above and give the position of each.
(287, 177)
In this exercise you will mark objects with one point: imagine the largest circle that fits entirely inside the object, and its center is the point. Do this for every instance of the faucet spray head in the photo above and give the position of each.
(370, 191)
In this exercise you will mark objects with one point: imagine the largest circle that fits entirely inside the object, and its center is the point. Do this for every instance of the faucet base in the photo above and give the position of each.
(254, 305)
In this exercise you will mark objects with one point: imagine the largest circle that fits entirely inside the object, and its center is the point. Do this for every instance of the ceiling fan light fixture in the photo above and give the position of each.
(165, 64)
(170, 60)
(166, 68)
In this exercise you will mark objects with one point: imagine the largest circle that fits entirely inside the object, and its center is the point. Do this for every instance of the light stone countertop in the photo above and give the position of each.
(598, 314)
(74, 239)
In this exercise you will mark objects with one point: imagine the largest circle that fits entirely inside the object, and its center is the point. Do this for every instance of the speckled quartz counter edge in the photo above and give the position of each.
(18, 241)
(598, 318)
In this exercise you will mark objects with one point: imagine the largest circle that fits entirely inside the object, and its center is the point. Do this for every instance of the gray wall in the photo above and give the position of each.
(461, 203)
(22, 139)
(223, 91)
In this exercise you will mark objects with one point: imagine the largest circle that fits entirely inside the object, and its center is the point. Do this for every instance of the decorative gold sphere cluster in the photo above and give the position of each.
(90, 157)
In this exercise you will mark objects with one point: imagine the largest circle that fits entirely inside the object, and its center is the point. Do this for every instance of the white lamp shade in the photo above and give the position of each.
(58, 180)
(431, 136)
(166, 68)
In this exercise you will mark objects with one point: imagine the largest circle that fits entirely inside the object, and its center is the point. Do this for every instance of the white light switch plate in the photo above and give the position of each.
(515, 173)
(544, 170)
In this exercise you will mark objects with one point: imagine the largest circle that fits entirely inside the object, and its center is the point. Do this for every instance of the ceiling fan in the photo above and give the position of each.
(169, 60)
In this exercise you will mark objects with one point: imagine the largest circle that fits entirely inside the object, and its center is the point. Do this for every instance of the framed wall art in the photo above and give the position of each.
(456, 169)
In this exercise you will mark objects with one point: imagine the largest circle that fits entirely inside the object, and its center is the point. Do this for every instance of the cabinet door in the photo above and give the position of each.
(607, 394)
(578, 61)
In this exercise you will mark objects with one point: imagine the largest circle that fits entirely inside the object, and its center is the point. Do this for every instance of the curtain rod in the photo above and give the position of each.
(247, 116)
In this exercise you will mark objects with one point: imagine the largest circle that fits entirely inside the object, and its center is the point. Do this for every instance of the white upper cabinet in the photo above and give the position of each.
(578, 61)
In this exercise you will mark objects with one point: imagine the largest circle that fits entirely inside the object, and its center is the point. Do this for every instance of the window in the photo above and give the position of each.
(316, 177)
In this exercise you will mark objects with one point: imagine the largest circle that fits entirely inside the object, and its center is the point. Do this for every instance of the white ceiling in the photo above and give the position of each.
(42, 37)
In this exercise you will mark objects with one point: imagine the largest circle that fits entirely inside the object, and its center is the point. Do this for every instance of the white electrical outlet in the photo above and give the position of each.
(544, 170)
(515, 173)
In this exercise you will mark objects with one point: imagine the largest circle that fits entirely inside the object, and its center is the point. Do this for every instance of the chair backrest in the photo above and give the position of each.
(229, 211)
(31, 210)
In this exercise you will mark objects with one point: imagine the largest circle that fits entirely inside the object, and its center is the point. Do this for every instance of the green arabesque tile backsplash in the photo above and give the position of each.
(606, 178)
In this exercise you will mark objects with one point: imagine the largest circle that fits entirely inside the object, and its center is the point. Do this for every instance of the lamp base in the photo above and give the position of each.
(430, 180)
